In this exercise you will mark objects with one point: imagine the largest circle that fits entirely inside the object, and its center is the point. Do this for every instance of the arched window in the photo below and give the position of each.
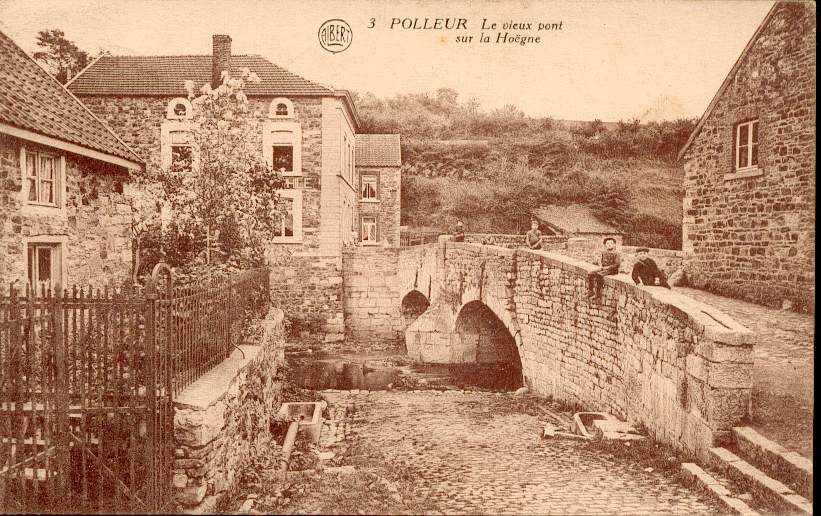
(179, 109)
(281, 108)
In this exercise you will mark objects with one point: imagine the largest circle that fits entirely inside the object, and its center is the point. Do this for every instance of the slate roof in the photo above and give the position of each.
(574, 218)
(166, 75)
(32, 100)
(378, 150)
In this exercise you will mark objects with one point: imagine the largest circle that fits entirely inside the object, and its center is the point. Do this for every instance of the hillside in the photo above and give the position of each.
(493, 169)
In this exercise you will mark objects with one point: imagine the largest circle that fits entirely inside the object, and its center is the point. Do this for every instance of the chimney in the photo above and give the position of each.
(221, 58)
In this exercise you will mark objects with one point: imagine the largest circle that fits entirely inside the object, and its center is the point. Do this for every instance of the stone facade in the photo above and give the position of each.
(91, 227)
(386, 206)
(306, 280)
(750, 233)
(645, 354)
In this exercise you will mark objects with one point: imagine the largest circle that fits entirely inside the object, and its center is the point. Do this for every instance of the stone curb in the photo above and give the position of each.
(774, 459)
(697, 478)
(766, 490)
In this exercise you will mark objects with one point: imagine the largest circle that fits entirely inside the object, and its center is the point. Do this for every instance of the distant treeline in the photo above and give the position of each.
(495, 168)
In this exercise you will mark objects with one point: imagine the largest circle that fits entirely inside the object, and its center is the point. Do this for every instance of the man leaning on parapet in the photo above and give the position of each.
(610, 262)
(646, 270)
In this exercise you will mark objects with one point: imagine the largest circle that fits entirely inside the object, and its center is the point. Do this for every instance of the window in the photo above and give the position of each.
(290, 223)
(42, 173)
(282, 157)
(369, 187)
(286, 228)
(746, 148)
(181, 150)
(281, 108)
(294, 182)
(179, 109)
(44, 265)
(369, 230)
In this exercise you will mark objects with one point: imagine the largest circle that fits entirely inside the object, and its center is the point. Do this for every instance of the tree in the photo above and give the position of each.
(61, 57)
(224, 187)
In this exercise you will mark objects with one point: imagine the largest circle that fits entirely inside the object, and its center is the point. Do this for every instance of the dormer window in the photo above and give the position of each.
(281, 108)
(179, 109)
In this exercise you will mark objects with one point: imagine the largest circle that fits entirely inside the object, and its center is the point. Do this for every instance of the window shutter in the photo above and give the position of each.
(376, 219)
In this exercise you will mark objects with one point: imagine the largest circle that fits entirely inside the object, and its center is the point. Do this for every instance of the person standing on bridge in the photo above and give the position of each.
(533, 238)
(646, 270)
(610, 262)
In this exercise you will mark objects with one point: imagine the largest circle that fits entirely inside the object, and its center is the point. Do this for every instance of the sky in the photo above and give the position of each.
(611, 60)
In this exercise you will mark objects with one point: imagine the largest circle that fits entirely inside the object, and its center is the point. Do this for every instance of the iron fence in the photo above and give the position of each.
(87, 380)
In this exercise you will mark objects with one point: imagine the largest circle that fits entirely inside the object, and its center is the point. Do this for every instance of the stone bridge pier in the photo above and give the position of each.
(645, 354)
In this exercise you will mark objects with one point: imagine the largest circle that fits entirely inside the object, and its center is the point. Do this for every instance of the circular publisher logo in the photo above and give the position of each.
(335, 35)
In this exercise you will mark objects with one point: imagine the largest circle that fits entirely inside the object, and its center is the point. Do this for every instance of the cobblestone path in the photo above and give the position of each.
(783, 386)
(479, 453)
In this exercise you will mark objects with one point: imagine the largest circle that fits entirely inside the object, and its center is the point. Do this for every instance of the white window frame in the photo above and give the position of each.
(362, 177)
(174, 126)
(750, 145)
(296, 198)
(189, 109)
(58, 180)
(272, 108)
(375, 241)
(57, 242)
(269, 130)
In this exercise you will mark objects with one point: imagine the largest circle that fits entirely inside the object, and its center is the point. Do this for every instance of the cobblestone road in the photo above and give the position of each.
(783, 386)
(477, 453)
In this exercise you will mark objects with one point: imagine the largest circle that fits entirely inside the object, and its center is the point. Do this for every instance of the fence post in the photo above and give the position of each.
(151, 392)
(230, 310)
(61, 392)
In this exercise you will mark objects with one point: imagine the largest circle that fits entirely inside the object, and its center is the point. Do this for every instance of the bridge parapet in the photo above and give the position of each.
(646, 354)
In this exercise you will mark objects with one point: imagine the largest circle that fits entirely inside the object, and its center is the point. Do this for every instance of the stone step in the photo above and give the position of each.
(782, 464)
(698, 479)
(765, 490)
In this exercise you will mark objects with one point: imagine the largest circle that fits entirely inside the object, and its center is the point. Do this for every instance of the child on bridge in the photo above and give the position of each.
(533, 238)
(610, 262)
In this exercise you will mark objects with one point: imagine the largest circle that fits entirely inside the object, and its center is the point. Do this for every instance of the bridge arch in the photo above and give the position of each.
(480, 332)
(413, 304)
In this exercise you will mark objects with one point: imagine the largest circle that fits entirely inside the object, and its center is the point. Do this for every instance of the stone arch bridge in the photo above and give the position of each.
(645, 354)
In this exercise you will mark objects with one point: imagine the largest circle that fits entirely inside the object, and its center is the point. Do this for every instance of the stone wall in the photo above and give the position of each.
(751, 235)
(376, 280)
(370, 297)
(386, 208)
(510, 241)
(644, 354)
(212, 432)
(93, 228)
(308, 288)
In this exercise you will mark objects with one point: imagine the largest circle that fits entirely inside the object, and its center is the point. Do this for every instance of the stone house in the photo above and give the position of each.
(749, 205)
(575, 220)
(342, 188)
(65, 216)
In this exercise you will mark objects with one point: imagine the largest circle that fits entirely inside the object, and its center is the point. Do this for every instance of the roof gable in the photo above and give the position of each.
(378, 150)
(727, 80)
(166, 75)
(35, 105)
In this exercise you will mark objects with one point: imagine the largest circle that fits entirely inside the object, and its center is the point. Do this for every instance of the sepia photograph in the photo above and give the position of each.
(407, 257)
